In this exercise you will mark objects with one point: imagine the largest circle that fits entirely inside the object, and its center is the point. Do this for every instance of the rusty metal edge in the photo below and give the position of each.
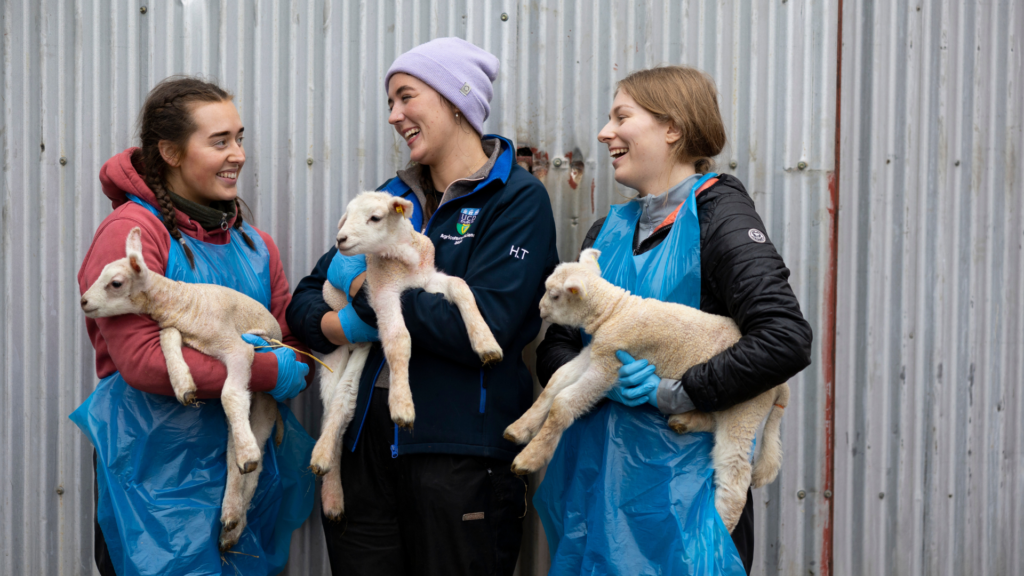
(829, 348)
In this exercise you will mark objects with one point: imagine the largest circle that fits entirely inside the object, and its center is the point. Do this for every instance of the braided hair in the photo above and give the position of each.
(167, 115)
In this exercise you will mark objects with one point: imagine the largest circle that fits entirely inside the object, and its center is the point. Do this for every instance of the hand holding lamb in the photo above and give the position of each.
(210, 319)
(672, 337)
(399, 258)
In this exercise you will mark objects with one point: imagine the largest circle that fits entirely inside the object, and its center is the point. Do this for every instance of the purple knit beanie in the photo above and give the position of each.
(460, 71)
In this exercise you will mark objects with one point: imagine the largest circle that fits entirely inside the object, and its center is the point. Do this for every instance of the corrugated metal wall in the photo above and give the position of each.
(927, 247)
(930, 411)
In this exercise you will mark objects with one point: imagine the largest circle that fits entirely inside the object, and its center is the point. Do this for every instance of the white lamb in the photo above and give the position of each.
(399, 258)
(338, 390)
(210, 319)
(673, 338)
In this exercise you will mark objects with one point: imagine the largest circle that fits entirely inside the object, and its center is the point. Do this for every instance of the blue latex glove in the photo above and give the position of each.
(355, 329)
(343, 270)
(291, 373)
(637, 382)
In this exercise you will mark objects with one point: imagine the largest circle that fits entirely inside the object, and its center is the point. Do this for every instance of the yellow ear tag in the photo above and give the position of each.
(399, 210)
(574, 291)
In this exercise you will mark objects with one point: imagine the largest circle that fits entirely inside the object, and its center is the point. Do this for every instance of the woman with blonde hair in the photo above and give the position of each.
(622, 491)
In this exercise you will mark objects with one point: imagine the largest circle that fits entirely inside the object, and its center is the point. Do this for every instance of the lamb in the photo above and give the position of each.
(399, 258)
(674, 338)
(338, 390)
(210, 319)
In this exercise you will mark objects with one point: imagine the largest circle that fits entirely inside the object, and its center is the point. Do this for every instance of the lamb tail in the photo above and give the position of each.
(769, 460)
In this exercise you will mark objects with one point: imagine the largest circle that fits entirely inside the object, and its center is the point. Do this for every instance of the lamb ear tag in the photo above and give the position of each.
(399, 209)
(574, 291)
(134, 264)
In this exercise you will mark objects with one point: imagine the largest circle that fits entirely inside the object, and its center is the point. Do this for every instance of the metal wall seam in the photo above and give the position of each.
(928, 439)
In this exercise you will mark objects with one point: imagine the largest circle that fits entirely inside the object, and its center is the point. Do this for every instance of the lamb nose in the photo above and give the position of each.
(84, 302)
(341, 239)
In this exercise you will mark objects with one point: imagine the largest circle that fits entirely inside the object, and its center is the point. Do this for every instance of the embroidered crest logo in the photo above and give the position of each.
(756, 235)
(466, 218)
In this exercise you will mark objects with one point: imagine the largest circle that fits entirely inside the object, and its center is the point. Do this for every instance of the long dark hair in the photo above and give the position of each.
(167, 115)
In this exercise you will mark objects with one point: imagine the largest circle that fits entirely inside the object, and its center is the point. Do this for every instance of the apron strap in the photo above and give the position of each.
(672, 217)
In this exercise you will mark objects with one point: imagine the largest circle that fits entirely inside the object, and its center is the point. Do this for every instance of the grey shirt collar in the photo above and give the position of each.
(460, 187)
(654, 209)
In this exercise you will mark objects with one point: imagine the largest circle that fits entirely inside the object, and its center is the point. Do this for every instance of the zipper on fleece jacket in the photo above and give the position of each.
(367, 411)
(483, 392)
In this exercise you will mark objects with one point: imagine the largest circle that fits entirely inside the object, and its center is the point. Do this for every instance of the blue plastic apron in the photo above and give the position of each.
(624, 494)
(161, 467)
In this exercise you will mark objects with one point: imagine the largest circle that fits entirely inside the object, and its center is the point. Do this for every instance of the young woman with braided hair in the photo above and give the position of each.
(161, 466)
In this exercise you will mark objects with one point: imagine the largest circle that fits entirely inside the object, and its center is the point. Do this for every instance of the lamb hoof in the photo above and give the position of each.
(226, 542)
(526, 463)
(247, 467)
(678, 427)
(188, 398)
(334, 508)
(519, 471)
(320, 462)
(692, 421)
(403, 414)
(515, 435)
(229, 525)
(489, 357)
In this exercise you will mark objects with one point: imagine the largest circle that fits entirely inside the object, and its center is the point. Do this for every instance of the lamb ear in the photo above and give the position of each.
(576, 287)
(133, 249)
(341, 222)
(401, 206)
(589, 258)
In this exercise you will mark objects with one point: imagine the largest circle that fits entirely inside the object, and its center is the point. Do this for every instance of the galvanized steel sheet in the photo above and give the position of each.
(929, 432)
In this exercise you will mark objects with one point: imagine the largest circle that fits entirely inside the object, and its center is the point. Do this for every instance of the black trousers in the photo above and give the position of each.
(423, 514)
(743, 533)
(103, 563)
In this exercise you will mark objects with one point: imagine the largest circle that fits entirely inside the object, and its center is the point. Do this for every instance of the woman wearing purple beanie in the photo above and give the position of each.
(441, 499)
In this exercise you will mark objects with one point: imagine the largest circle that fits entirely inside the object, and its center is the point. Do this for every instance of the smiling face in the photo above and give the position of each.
(207, 169)
(422, 118)
(640, 145)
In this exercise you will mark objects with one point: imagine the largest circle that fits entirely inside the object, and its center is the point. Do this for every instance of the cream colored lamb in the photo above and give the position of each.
(338, 390)
(673, 338)
(399, 258)
(210, 319)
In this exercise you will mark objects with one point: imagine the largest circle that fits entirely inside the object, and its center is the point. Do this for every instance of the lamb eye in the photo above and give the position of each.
(554, 297)
(374, 218)
(115, 284)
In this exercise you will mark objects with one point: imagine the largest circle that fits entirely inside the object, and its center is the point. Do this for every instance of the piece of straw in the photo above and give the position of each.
(279, 344)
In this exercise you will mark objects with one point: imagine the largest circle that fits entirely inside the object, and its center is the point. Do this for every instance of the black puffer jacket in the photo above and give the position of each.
(743, 277)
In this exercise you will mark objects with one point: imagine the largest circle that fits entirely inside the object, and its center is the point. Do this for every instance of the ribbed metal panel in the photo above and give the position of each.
(929, 404)
(307, 77)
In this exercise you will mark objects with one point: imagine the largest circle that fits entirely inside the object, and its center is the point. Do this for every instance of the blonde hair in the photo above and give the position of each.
(687, 98)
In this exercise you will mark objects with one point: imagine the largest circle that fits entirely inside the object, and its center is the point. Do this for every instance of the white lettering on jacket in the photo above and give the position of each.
(519, 253)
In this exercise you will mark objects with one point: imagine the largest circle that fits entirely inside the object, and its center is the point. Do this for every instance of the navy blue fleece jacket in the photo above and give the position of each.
(500, 238)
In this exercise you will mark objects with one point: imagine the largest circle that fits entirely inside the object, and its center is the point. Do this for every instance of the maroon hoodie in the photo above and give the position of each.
(131, 343)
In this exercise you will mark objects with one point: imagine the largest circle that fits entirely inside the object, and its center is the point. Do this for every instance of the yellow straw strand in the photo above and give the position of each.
(279, 344)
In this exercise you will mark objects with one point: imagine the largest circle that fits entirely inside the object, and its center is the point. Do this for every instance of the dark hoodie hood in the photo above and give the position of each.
(119, 178)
